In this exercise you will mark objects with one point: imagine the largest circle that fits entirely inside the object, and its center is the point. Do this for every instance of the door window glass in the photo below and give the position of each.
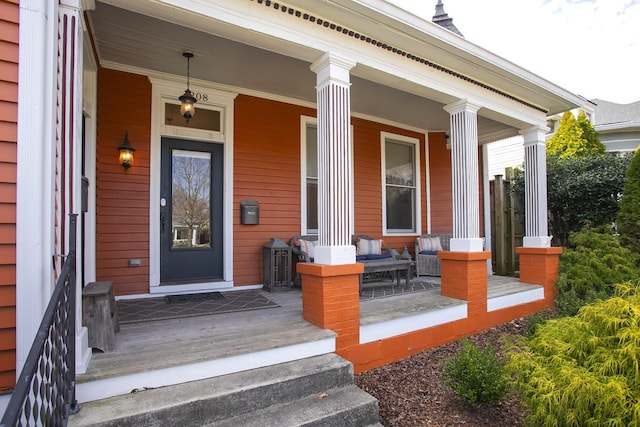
(190, 202)
(203, 119)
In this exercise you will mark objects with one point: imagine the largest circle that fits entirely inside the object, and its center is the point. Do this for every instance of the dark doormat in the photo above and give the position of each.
(172, 299)
(148, 309)
(389, 289)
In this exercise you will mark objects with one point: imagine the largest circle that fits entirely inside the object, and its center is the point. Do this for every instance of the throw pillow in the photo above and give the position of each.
(307, 246)
(431, 244)
(369, 247)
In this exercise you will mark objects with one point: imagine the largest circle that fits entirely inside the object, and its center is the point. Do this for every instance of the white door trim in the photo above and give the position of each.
(167, 91)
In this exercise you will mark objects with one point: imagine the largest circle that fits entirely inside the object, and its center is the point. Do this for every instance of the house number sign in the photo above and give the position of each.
(201, 96)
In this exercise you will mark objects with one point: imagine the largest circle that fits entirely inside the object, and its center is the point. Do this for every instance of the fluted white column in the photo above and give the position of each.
(535, 185)
(465, 186)
(334, 161)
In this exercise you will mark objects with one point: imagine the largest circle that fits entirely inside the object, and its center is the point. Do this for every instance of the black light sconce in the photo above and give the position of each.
(187, 108)
(126, 153)
(447, 143)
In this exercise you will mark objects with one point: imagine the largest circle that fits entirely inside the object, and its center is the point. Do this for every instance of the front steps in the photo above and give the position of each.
(317, 391)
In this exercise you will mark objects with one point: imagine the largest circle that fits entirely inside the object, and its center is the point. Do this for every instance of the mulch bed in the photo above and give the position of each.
(410, 392)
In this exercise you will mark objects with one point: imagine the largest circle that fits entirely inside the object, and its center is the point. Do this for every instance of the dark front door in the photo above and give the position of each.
(190, 211)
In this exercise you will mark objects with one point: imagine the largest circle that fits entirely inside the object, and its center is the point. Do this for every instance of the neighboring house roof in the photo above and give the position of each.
(442, 18)
(609, 112)
(618, 125)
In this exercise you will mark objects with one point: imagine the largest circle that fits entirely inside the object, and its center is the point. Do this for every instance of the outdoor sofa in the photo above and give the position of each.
(367, 250)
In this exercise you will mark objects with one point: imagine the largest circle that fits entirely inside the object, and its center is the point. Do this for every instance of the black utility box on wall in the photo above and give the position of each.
(249, 212)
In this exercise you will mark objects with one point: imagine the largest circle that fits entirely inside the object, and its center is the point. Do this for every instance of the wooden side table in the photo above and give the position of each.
(100, 315)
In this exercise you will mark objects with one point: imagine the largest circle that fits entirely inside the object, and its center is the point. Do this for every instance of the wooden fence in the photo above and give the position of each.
(507, 226)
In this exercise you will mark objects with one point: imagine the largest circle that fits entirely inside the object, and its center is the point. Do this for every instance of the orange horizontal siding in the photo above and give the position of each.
(440, 183)
(7, 213)
(9, 35)
(267, 169)
(7, 317)
(7, 274)
(9, 11)
(122, 198)
(7, 336)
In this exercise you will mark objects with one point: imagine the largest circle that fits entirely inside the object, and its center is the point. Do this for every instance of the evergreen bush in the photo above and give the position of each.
(583, 370)
(628, 220)
(590, 267)
(476, 374)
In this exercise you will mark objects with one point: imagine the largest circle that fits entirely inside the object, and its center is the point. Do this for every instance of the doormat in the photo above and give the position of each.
(151, 309)
(172, 299)
(389, 289)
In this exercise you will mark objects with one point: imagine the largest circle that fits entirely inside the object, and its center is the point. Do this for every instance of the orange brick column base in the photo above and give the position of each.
(331, 299)
(540, 266)
(464, 276)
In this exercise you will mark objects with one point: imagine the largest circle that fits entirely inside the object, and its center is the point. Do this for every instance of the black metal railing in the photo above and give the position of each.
(45, 393)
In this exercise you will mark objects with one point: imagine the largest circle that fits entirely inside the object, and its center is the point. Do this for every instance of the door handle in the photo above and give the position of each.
(163, 219)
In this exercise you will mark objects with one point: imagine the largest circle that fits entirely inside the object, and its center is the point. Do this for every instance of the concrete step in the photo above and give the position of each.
(203, 402)
(345, 406)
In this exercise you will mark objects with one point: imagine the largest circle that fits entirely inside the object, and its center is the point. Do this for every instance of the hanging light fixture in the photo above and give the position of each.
(187, 108)
(126, 153)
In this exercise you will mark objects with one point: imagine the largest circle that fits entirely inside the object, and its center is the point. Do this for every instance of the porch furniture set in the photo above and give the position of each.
(380, 262)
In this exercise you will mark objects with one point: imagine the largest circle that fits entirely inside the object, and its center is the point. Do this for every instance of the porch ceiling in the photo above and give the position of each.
(245, 59)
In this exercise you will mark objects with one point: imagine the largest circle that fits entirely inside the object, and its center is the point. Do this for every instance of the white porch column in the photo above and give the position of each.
(535, 184)
(334, 161)
(35, 151)
(464, 161)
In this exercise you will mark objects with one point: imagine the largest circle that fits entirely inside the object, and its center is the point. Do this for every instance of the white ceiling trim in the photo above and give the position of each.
(180, 80)
(277, 32)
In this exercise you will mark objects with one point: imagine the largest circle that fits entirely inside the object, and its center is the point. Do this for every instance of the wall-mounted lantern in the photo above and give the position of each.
(126, 153)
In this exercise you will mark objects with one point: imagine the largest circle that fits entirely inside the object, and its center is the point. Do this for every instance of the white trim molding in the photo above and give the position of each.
(164, 91)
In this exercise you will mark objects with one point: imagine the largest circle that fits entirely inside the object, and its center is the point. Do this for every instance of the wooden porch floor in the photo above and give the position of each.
(250, 337)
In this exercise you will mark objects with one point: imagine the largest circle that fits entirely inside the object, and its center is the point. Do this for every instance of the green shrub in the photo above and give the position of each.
(476, 374)
(534, 320)
(583, 370)
(629, 215)
(589, 269)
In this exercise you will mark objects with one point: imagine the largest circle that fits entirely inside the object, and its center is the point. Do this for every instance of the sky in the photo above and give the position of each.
(588, 47)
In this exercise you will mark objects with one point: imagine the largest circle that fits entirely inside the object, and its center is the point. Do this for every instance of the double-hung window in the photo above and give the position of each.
(400, 184)
(309, 174)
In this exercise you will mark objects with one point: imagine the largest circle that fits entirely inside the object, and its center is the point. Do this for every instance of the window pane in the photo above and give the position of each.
(312, 205)
(400, 208)
(400, 163)
(312, 151)
(190, 200)
(203, 119)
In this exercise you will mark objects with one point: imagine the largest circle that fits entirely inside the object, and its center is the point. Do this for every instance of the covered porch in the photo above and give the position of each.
(159, 353)
(337, 118)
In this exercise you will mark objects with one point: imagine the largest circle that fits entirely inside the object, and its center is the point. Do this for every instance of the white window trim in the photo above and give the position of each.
(304, 121)
(384, 136)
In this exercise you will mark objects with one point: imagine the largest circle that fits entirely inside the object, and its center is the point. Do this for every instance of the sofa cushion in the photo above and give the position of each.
(372, 257)
(368, 247)
(428, 252)
(430, 244)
